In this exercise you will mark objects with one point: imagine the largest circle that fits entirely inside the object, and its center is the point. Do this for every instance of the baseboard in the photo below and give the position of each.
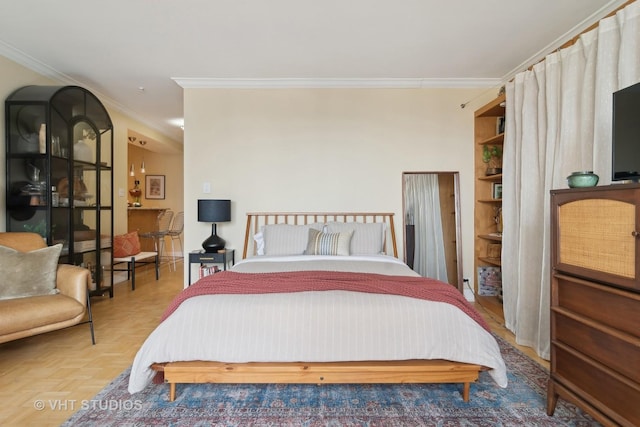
(119, 277)
(468, 294)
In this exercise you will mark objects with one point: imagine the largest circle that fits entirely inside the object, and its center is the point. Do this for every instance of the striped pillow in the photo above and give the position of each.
(328, 243)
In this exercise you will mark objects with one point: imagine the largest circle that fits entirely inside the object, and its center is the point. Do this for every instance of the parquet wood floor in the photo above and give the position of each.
(45, 379)
(60, 369)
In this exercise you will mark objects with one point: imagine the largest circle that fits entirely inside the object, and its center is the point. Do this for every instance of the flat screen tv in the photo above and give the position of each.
(626, 134)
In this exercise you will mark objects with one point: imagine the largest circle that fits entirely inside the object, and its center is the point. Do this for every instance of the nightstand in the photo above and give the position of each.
(226, 258)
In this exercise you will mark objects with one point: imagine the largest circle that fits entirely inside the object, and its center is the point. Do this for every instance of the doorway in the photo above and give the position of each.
(431, 213)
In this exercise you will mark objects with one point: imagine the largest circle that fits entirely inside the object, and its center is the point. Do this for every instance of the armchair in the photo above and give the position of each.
(25, 316)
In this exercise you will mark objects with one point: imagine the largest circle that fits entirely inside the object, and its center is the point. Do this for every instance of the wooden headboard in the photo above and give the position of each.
(255, 220)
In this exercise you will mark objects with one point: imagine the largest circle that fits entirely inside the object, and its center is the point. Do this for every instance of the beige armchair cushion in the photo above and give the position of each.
(28, 274)
(26, 314)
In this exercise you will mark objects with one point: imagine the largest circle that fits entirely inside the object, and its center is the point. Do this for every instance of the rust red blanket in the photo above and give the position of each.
(229, 282)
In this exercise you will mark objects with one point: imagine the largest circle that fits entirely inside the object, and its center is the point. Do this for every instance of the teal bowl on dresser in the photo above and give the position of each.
(582, 179)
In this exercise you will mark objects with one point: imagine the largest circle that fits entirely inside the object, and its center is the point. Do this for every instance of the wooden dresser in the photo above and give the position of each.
(595, 302)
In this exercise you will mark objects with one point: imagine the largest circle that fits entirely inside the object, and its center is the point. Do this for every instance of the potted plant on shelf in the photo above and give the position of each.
(492, 156)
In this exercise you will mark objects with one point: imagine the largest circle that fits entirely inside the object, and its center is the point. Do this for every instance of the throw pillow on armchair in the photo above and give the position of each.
(28, 274)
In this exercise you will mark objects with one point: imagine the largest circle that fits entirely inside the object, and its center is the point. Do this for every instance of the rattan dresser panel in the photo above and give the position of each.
(596, 233)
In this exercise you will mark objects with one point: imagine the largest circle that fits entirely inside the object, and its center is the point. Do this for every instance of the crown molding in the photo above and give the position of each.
(33, 64)
(45, 70)
(302, 83)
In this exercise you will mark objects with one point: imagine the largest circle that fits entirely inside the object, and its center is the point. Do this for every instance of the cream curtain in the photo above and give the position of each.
(422, 205)
(558, 121)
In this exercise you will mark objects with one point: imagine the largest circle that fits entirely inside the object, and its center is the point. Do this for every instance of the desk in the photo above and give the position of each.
(144, 220)
(201, 257)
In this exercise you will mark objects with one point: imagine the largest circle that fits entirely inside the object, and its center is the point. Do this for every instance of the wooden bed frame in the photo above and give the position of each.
(360, 372)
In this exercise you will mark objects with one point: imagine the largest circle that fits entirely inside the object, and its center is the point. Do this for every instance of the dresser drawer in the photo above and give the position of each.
(613, 307)
(613, 396)
(616, 351)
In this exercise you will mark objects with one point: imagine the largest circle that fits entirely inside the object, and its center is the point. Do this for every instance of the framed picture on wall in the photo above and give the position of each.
(500, 125)
(154, 187)
(496, 191)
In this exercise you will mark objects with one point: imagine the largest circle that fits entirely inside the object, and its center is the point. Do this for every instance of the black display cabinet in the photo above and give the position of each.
(59, 158)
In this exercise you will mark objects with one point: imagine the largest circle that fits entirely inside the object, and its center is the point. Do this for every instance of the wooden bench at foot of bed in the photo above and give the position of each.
(394, 372)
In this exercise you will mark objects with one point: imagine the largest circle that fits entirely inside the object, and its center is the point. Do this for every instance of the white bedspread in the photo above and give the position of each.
(316, 326)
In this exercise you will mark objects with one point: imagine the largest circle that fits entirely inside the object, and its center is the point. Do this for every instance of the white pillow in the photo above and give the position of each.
(287, 239)
(368, 238)
(259, 238)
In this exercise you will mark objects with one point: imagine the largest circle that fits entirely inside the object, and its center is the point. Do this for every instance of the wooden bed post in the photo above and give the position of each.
(247, 233)
(393, 236)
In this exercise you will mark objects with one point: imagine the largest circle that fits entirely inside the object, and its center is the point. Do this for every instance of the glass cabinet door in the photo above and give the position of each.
(27, 168)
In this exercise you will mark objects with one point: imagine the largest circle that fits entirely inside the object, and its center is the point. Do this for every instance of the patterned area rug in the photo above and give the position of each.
(521, 403)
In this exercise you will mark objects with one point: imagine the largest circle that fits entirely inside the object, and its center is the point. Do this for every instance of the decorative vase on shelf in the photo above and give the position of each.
(82, 151)
(136, 192)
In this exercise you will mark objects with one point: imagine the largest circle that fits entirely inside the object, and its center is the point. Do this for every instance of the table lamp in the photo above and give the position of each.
(214, 211)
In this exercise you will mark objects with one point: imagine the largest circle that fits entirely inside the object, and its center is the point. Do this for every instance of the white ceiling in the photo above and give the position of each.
(116, 47)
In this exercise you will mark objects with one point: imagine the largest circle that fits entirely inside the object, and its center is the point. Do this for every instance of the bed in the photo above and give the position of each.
(319, 298)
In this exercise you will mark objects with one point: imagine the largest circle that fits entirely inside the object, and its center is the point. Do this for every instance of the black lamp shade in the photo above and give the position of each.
(214, 211)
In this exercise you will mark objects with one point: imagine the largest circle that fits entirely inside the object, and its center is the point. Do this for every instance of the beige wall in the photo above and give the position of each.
(323, 149)
(169, 165)
(14, 76)
(297, 149)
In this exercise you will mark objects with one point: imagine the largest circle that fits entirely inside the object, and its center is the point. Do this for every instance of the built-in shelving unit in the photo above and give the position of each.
(488, 205)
